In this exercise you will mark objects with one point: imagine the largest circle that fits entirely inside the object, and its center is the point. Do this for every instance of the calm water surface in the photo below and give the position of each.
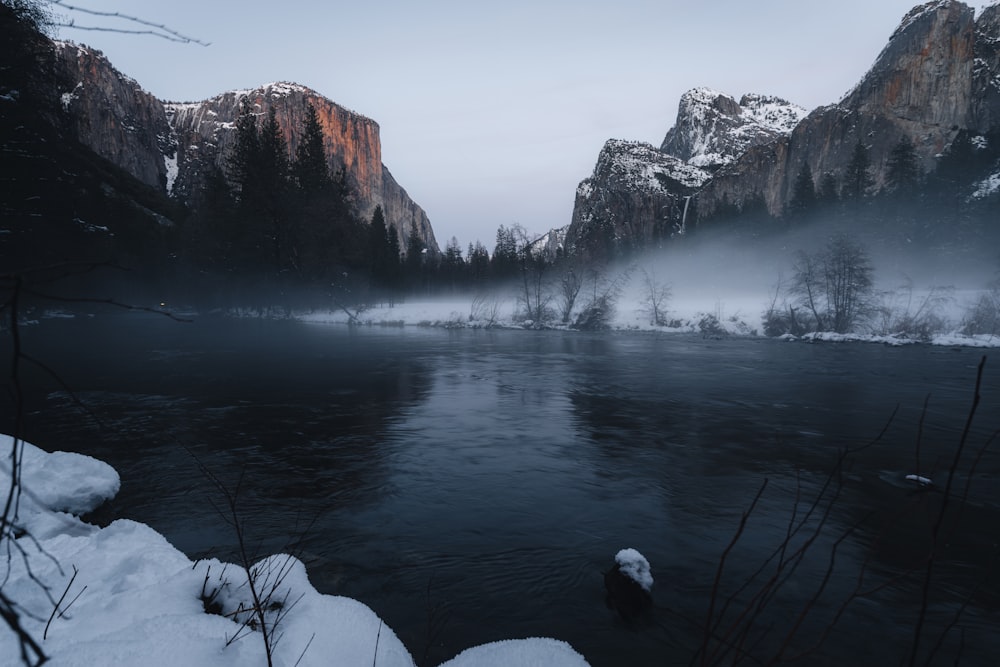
(472, 486)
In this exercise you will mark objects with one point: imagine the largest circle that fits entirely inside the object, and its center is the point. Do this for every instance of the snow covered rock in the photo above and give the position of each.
(54, 486)
(628, 584)
(713, 129)
(519, 653)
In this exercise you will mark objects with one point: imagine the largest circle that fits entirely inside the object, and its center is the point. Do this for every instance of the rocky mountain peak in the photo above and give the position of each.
(938, 76)
(636, 196)
(175, 147)
(923, 76)
(205, 133)
(713, 129)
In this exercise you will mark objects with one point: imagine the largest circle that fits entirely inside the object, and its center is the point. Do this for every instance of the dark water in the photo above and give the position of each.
(472, 486)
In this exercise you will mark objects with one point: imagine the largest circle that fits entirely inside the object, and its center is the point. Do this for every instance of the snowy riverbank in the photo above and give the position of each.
(726, 320)
(131, 598)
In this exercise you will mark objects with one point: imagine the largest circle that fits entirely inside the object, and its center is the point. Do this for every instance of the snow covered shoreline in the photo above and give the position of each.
(459, 315)
(131, 598)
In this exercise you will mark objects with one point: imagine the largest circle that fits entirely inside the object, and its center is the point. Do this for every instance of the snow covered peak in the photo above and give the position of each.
(713, 129)
(772, 112)
(642, 167)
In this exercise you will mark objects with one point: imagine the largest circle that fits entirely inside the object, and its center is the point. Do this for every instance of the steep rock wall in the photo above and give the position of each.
(921, 87)
(635, 198)
(205, 133)
(112, 115)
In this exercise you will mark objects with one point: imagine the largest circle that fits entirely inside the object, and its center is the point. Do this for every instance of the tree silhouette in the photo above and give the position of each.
(857, 176)
(310, 170)
(835, 284)
(902, 171)
(803, 201)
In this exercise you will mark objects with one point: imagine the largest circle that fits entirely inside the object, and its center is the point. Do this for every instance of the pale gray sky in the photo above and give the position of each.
(491, 113)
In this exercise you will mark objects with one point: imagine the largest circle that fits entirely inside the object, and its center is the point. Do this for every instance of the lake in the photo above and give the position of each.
(473, 485)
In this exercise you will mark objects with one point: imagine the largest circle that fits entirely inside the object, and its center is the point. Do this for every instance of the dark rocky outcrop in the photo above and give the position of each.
(636, 196)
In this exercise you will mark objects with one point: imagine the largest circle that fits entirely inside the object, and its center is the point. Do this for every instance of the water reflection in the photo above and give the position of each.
(472, 485)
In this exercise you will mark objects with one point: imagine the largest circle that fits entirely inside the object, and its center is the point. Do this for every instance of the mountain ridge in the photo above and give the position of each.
(173, 146)
(937, 78)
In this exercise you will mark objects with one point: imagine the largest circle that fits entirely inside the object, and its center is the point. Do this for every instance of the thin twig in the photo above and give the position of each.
(719, 570)
(936, 528)
(167, 33)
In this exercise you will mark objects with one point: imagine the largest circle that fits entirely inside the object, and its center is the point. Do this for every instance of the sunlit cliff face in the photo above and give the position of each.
(205, 133)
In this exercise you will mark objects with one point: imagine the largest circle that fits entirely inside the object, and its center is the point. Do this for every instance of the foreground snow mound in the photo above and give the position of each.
(133, 599)
(533, 652)
(137, 600)
(54, 483)
(635, 566)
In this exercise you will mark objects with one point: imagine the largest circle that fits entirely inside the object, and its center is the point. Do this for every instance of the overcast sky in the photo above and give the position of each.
(492, 112)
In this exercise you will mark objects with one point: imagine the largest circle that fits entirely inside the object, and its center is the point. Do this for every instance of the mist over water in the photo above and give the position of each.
(473, 485)
(733, 273)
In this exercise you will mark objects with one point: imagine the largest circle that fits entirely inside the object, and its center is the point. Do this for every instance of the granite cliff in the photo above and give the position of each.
(205, 133)
(921, 88)
(112, 115)
(173, 147)
(938, 76)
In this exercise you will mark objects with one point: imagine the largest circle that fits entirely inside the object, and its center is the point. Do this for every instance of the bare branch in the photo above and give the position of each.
(159, 30)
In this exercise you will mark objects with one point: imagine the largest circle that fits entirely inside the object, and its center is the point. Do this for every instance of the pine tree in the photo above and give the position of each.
(902, 171)
(310, 169)
(272, 195)
(452, 264)
(414, 253)
(479, 261)
(381, 257)
(273, 155)
(803, 201)
(828, 192)
(857, 176)
(504, 261)
(246, 153)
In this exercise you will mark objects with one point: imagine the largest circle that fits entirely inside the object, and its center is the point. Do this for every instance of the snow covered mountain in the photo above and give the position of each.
(639, 196)
(635, 198)
(713, 129)
(937, 79)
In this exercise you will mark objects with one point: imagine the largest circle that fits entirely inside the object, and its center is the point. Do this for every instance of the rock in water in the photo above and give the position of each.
(628, 584)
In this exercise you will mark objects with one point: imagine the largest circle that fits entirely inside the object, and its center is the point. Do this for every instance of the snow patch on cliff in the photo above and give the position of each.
(646, 168)
(987, 187)
(713, 129)
(170, 162)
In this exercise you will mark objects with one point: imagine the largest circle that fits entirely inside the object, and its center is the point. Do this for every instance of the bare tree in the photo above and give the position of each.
(604, 294)
(533, 293)
(902, 311)
(570, 285)
(656, 295)
(983, 316)
(835, 284)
